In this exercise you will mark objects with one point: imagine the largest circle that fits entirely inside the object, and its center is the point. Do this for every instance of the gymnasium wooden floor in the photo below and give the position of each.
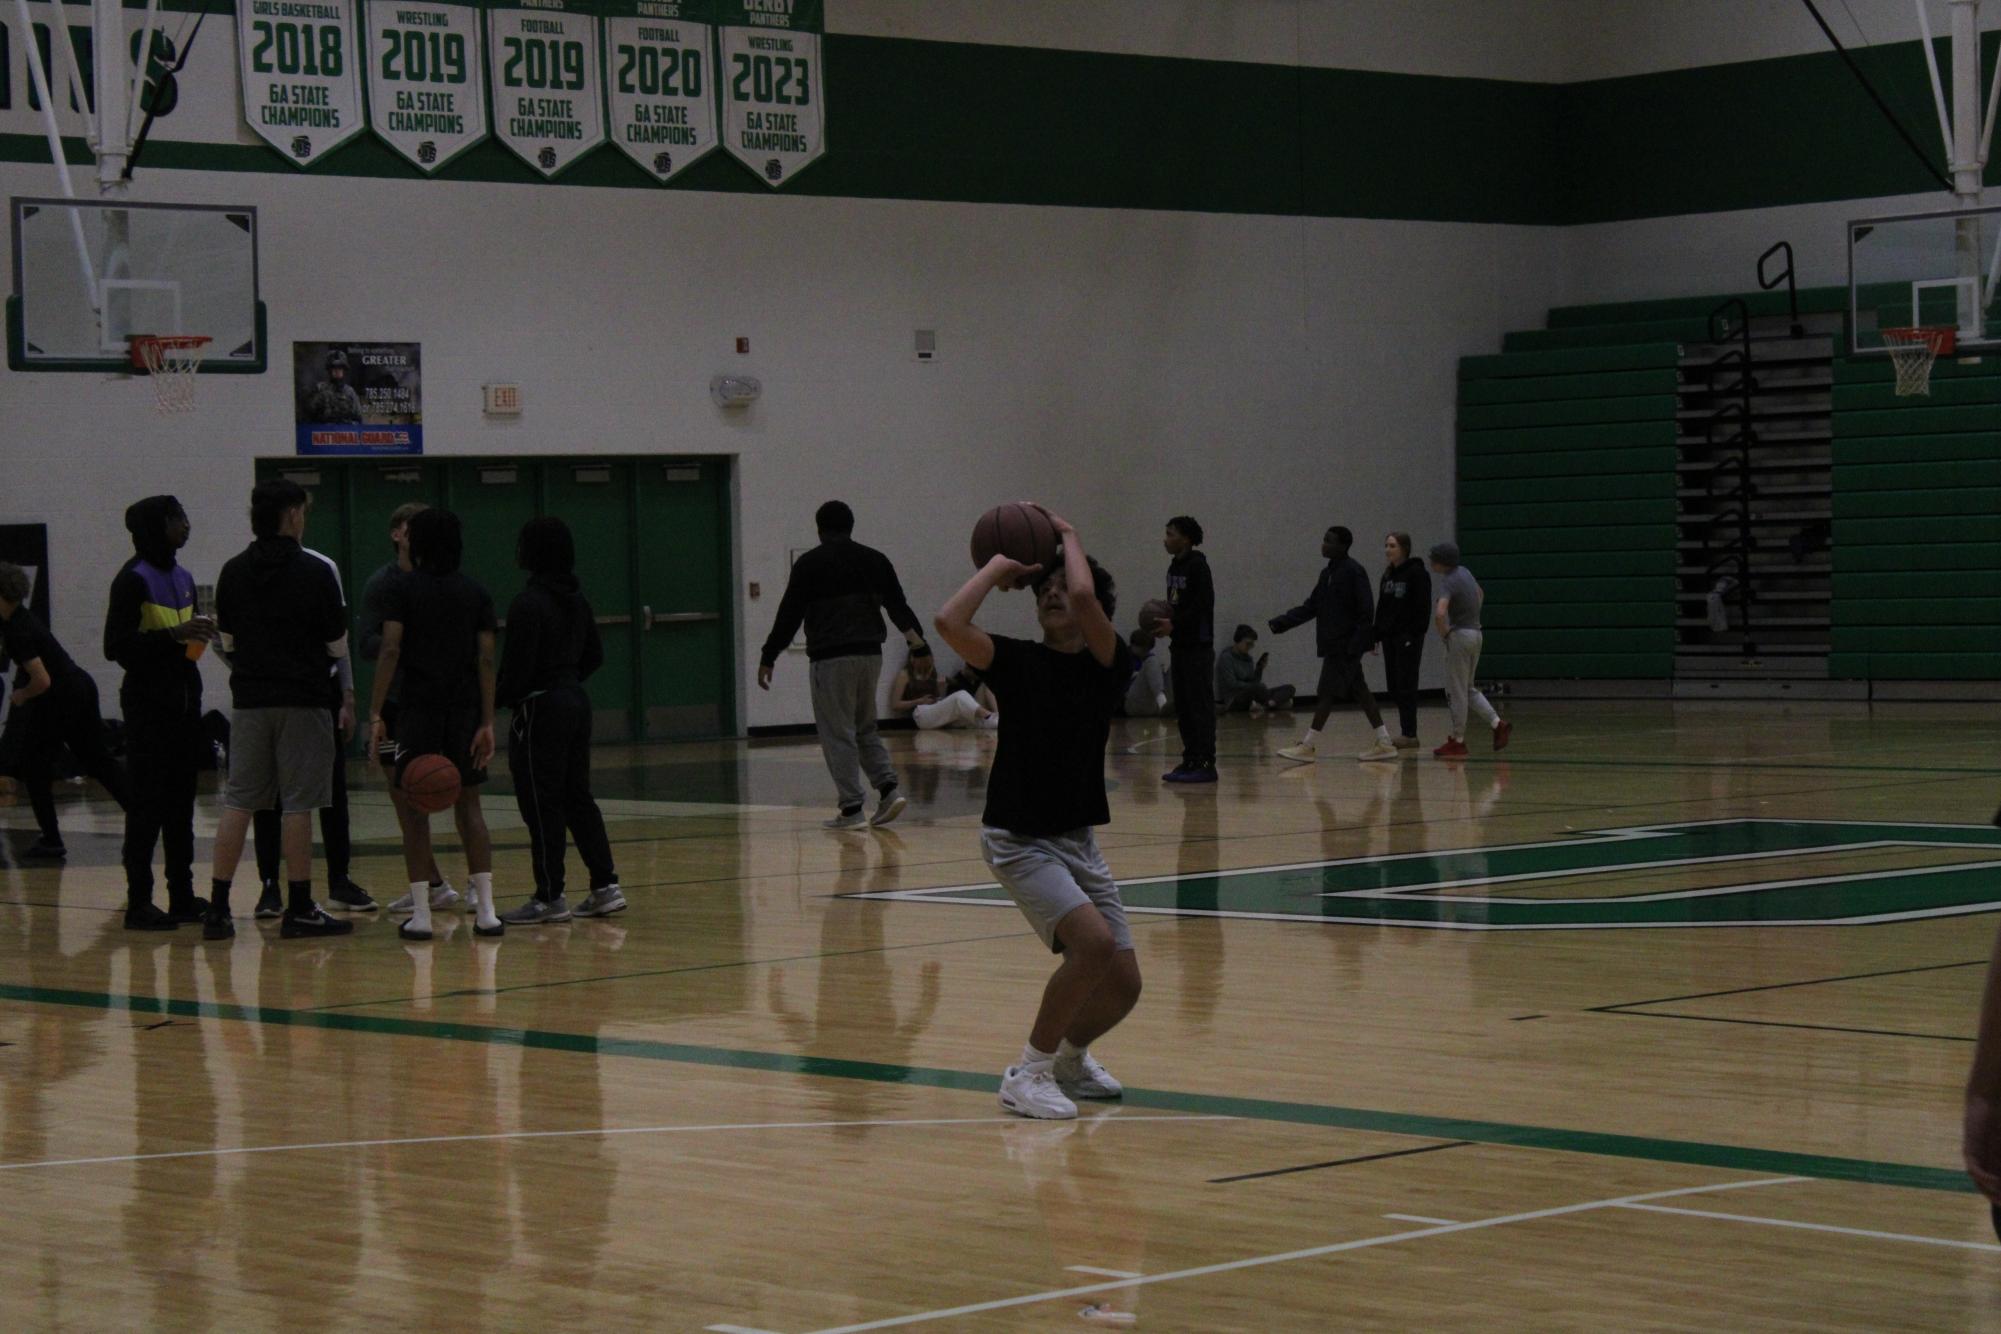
(1434, 1052)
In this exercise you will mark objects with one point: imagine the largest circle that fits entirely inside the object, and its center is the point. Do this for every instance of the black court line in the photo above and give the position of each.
(1782, 986)
(1340, 1162)
(1775, 1023)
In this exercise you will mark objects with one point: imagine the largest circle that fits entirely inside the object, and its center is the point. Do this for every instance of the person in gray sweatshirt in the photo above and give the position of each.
(1240, 678)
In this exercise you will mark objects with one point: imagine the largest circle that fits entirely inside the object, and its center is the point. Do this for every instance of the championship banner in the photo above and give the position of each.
(426, 78)
(548, 98)
(301, 74)
(358, 398)
(660, 64)
(772, 93)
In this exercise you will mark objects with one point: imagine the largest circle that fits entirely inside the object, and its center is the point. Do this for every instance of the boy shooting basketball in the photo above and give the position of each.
(1045, 794)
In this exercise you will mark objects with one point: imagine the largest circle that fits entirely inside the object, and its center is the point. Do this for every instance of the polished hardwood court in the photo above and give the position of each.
(1657, 1019)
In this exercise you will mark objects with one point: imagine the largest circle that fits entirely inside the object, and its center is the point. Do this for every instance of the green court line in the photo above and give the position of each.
(1695, 1153)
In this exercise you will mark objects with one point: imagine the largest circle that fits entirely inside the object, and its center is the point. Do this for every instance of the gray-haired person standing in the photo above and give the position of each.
(1458, 618)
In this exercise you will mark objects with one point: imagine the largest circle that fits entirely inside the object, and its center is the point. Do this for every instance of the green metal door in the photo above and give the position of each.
(687, 642)
(595, 499)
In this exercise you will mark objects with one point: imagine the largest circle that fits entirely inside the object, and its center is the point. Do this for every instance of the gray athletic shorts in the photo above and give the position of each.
(1050, 878)
(280, 759)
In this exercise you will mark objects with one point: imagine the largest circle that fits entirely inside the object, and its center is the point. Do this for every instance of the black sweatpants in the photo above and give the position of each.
(1400, 662)
(65, 716)
(268, 830)
(549, 756)
(163, 761)
(1194, 674)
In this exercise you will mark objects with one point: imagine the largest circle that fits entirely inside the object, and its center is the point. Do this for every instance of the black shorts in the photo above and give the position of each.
(447, 732)
(385, 755)
(1340, 678)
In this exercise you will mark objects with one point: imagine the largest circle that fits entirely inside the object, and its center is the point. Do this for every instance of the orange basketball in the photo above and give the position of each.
(1019, 532)
(432, 783)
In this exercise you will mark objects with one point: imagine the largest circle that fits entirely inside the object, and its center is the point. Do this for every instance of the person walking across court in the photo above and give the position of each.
(1045, 797)
(552, 649)
(55, 704)
(1191, 650)
(1403, 619)
(839, 590)
(279, 622)
(1457, 616)
(154, 630)
(1343, 613)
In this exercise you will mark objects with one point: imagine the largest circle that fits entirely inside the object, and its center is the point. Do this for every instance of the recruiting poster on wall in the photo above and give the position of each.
(659, 71)
(548, 98)
(359, 398)
(301, 75)
(426, 78)
(773, 96)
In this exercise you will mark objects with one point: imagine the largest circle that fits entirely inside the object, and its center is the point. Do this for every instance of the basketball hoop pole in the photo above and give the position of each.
(113, 122)
(1968, 137)
(40, 78)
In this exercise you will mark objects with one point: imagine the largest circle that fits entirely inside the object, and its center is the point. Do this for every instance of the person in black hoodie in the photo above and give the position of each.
(1343, 611)
(1191, 650)
(280, 623)
(54, 704)
(1403, 618)
(154, 629)
(552, 649)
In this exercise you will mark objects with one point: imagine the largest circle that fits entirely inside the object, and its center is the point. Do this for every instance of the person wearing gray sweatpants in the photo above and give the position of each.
(839, 590)
(1458, 618)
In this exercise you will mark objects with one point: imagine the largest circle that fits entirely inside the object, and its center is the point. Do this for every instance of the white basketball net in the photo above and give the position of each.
(172, 362)
(1912, 353)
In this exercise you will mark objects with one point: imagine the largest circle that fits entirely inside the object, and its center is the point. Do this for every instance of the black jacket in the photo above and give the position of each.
(839, 589)
(150, 596)
(1403, 604)
(1342, 607)
(1192, 593)
(552, 640)
(279, 609)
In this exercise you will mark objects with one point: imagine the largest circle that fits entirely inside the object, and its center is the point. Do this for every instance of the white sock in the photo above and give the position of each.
(1031, 1058)
(1382, 734)
(1068, 1053)
(420, 905)
(1496, 723)
(1312, 736)
(481, 888)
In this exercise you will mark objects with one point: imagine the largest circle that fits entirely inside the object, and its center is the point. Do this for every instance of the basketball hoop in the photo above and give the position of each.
(1913, 350)
(172, 360)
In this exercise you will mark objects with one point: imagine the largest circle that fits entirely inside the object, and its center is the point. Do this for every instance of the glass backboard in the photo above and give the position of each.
(1935, 270)
(88, 274)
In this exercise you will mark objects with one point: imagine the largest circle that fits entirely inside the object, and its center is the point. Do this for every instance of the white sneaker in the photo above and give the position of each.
(442, 896)
(1303, 753)
(846, 820)
(1381, 750)
(1087, 1079)
(1033, 1093)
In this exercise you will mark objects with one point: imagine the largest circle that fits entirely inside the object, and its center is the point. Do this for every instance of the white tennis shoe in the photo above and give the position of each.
(1033, 1093)
(1084, 1078)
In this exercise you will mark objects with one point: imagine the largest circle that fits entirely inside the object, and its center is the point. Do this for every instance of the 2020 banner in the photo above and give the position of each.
(660, 68)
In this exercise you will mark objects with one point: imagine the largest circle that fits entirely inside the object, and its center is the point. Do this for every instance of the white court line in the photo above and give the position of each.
(1417, 1218)
(1104, 1273)
(1818, 1227)
(601, 1131)
(736, 1329)
(1312, 1252)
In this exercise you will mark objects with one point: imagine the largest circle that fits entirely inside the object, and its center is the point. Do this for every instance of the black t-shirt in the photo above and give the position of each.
(279, 608)
(26, 639)
(1048, 775)
(442, 616)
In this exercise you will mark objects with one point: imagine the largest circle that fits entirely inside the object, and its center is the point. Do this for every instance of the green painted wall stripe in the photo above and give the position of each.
(932, 120)
(1725, 1156)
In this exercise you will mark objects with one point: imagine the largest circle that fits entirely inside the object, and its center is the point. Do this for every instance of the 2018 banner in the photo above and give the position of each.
(773, 96)
(301, 74)
(548, 96)
(426, 78)
(660, 68)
